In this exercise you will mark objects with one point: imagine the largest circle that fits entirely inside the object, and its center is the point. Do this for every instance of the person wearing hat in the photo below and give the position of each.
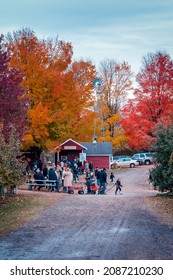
(38, 177)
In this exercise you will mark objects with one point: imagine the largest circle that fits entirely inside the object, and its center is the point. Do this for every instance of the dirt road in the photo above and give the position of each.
(90, 227)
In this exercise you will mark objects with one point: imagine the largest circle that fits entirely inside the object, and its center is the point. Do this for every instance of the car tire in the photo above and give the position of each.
(147, 162)
(71, 191)
(132, 165)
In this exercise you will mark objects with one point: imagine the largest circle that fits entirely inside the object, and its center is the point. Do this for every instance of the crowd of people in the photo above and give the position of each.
(66, 173)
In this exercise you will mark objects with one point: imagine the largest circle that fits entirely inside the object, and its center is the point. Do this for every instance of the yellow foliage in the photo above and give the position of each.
(28, 138)
(27, 141)
(120, 141)
(51, 145)
(113, 119)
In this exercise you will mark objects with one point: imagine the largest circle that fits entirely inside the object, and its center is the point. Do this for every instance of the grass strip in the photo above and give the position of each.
(18, 209)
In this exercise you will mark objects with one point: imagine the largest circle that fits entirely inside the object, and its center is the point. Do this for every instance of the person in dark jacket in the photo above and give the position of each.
(45, 171)
(118, 186)
(103, 181)
(90, 166)
(112, 176)
(39, 179)
(52, 174)
(97, 175)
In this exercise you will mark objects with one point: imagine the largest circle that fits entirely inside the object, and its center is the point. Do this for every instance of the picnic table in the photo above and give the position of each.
(50, 184)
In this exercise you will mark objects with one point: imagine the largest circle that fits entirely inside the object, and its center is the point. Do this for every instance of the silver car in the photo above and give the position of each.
(125, 162)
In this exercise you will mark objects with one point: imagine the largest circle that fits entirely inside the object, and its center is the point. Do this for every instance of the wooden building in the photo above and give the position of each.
(98, 153)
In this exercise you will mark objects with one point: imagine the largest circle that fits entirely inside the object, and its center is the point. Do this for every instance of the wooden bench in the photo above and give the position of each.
(50, 184)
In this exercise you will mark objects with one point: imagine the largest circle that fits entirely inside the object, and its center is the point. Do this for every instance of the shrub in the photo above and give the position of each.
(11, 164)
(162, 174)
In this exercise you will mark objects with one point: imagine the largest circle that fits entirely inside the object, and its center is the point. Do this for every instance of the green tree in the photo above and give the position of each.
(162, 173)
(10, 164)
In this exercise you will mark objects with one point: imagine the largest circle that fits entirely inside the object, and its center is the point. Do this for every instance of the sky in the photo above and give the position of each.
(124, 30)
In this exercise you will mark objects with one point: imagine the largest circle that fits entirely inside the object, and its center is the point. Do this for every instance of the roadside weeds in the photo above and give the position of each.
(163, 206)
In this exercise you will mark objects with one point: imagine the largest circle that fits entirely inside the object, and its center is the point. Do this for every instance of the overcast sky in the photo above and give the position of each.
(119, 29)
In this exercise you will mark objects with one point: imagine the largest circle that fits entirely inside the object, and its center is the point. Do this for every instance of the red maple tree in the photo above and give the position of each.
(153, 101)
(13, 106)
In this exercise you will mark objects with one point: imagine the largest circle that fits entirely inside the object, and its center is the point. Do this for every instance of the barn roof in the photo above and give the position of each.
(98, 148)
(71, 140)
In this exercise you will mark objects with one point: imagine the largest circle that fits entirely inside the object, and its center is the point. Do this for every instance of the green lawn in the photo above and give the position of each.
(17, 209)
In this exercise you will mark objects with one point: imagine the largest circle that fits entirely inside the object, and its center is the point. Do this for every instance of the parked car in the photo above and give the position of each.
(125, 162)
(118, 157)
(115, 158)
(143, 158)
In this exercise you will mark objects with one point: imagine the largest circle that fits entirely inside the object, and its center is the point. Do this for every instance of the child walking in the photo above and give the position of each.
(112, 177)
(118, 186)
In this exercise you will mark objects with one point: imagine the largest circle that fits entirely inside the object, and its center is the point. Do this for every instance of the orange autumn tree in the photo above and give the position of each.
(59, 91)
(83, 74)
(72, 109)
(31, 56)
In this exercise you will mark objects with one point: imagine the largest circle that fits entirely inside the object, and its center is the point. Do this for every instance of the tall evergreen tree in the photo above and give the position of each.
(162, 173)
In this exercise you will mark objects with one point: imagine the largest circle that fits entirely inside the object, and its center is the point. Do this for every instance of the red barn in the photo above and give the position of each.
(98, 153)
(70, 149)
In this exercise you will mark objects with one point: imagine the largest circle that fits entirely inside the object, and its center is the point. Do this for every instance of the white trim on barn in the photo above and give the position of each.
(70, 139)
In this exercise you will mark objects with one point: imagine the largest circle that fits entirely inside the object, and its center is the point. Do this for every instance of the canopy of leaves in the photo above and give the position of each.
(59, 90)
(13, 105)
(153, 101)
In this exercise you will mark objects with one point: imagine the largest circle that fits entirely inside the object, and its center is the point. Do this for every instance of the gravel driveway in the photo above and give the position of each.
(91, 227)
